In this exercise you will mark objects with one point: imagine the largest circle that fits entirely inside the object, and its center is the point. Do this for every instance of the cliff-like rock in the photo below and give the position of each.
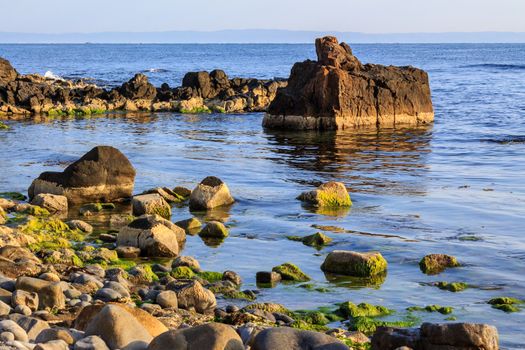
(339, 92)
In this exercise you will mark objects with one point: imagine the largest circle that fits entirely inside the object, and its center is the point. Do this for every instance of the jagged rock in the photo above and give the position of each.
(103, 174)
(151, 204)
(212, 192)
(7, 72)
(211, 336)
(51, 202)
(338, 92)
(155, 236)
(193, 296)
(295, 339)
(138, 88)
(355, 264)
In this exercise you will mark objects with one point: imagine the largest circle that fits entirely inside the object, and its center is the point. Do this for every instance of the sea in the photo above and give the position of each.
(454, 187)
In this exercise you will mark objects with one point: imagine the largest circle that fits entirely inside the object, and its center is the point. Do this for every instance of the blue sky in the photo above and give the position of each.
(371, 16)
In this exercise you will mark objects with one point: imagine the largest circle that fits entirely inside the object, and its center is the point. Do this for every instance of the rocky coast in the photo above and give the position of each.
(67, 283)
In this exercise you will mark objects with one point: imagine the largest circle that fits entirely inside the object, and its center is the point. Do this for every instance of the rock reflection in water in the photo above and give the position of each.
(369, 161)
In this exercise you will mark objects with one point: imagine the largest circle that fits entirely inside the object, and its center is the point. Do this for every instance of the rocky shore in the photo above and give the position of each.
(67, 284)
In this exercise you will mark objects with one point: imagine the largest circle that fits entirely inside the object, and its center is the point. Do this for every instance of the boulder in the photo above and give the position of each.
(103, 174)
(80, 225)
(338, 92)
(151, 204)
(267, 277)
(138, 88)
(24, 298)
(330, 194)
(91, 343)
(32, 326)
(51, 202)
(7, 72)
(206, 85)
(13, 327)
(211, 336)
(345, 262)
(209, 194)
(295, 339)
(193, 296)
(435, 263)
(117, 327)
(50, 294)
(214, 229)
(155, 236)
(460, 336)
(167, 299)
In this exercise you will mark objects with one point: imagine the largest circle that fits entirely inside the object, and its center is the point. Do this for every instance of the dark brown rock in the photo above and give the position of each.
(137, 88)
(7, 72)
(338, 92)
(103, 174)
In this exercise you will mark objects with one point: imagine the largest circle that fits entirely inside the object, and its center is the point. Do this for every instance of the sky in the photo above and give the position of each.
(369, 16)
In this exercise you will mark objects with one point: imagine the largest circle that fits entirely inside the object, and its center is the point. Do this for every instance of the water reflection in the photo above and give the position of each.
(366, 160)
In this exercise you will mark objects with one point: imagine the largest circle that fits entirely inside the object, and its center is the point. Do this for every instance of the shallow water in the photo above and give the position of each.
(456, 187)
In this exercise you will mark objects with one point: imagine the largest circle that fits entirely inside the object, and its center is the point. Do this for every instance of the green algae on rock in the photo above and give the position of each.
(210, 276)
(3, 126)
(349, 309)
(507, 304)
(316, 240)
(214, 229)
(330, 194)
(452, 286)
(182, 272)
(355, 264)
(290, 272)
(13, 195)
(435, 263)
(445, 310)
(50, 233)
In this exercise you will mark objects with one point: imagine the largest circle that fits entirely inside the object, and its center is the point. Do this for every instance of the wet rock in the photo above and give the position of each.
(50, 294)
(182, 191)
(187, 261)
(193, 296)
(51, 202)
(233, 277)
(80, 225)
(267, 277)
(330, 194)
(91, 343)
(138, 88)
(338, 92)
(189, 224)
(211, 336)
(291, 272)
(103, 174)
(155, 236)
(212, 192)
(316, 240)
(167, 299)
(355, 264)
(151, 204)
(435, 263)
(214, 229)
(295, 339)
(167, 194)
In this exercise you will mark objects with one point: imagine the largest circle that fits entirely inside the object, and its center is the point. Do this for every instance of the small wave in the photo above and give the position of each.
(508, 139)
(155, 70)
(50, 75)
(498, 66)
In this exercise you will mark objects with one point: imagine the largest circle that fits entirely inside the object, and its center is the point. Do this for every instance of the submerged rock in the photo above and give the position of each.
(103, 174)
(330, 194)
(338, 92)
(355, 264)
(435, 263)
(212, 192)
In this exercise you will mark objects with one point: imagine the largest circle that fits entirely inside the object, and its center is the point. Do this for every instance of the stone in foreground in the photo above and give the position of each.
(103, 174)
(453, 336)
(155, 236)
(330, 194)
(339, 92)
(212, 192)
(345, 262)
(211, 336)
(295, 339)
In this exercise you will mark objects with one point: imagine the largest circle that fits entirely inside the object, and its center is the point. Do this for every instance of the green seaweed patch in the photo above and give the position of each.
(35, 210)
(368, 325)
(237, 294)
(445, 310)
(349, 309)
(269, 307)
(125, 264)
(3, 126)
(452, 286)
(13, 195)
(290, 272)
(312, 287)
(506, 304)
(210, 276)
(50, 233)
(147, 273)
(356, 346)
(182, 272)
(196, 110)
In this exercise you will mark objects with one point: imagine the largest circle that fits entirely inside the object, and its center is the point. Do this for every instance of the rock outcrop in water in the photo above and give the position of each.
(201, 92)
(338, 92)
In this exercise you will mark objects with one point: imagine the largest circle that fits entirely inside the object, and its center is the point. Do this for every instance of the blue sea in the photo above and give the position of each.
(455, 187)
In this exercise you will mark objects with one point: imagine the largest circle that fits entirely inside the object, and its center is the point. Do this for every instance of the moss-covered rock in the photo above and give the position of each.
(435, 263)
(269, 307)
(452, 286)
(349, 309)
(3, 126)
(316, 240)
(182, 272)
(210, 276)
(355, 264)
(50, 233)
(330, 194)
(507, 304)
(290, 272)
(368, 325)
(445, 310)
(13, 195)
(214, 229)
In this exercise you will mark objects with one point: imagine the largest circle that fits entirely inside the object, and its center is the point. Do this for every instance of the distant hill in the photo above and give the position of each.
(260, 36)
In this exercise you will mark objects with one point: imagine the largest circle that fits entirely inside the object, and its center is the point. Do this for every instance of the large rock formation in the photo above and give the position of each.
(339, 92)
(103, 174)
(7, 72)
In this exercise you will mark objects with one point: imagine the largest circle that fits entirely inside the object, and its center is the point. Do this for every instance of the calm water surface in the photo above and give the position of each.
(456, 187)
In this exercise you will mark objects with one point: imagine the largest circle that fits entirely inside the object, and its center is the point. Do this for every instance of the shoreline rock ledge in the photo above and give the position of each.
(339, 92)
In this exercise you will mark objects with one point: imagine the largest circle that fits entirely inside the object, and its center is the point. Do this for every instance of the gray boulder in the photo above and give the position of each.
(295, 339)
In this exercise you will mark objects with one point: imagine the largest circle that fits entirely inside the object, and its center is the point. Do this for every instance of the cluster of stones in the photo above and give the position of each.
(201, 92)
(56, 292)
